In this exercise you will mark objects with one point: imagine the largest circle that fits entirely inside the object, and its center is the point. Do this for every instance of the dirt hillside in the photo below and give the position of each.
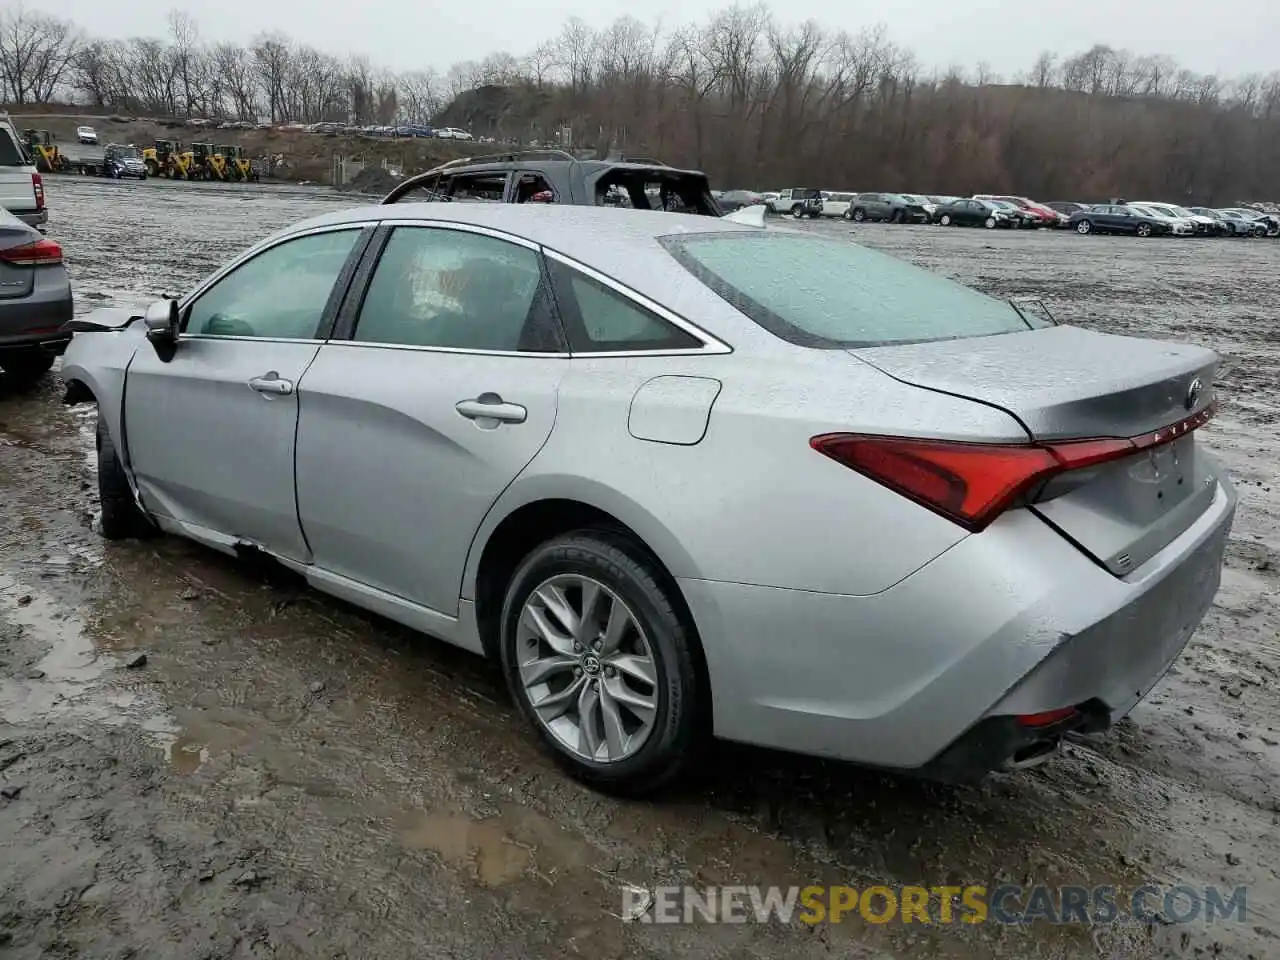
(308, 156)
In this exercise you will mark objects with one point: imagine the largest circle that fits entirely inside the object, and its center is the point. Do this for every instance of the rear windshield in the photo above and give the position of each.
(819, 292)
(11, 154)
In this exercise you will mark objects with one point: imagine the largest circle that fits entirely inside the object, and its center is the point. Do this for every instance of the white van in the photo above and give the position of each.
(21, 189)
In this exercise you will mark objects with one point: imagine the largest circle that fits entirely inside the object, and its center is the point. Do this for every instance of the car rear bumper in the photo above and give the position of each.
(929, 674)
(39, 319)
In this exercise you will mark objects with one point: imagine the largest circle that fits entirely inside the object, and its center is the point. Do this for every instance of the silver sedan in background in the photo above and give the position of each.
(684, 476)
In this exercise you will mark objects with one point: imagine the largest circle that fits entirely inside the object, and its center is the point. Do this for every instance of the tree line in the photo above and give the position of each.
(752, 100)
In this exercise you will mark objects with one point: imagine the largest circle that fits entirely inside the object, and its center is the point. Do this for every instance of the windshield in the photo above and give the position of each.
(820, 292)
(1002, 204)
(1181, 211)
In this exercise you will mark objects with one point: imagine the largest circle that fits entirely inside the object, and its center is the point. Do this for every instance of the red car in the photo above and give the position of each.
(1047, 216)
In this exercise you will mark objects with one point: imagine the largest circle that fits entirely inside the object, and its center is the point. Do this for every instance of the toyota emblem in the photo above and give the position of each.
(1193, 394)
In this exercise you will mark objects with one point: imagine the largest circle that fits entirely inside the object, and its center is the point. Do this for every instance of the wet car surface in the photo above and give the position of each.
(287, 776)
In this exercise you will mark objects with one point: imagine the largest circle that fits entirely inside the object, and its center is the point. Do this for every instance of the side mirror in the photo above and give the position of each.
(161, 320)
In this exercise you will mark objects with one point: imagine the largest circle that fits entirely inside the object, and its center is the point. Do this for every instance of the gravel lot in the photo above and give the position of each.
(287, 776)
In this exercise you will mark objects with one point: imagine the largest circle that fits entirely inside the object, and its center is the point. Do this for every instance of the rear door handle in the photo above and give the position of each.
(272, 383)
(490, 406)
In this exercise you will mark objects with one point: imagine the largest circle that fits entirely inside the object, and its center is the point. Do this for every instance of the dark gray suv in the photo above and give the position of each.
(890, 207)
(556, 176)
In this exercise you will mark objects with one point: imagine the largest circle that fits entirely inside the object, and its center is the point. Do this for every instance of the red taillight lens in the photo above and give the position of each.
(37, 184)
(1047, 718)
(39, 254)
(973, 483)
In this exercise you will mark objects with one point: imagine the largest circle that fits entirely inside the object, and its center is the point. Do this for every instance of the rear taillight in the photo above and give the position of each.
(39, 254)
(37, 184)
(973, 483)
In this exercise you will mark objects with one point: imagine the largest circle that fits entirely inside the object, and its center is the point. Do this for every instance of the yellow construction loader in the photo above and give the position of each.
(44, 151)
(239, 167)
(168, 159)
(208, 164)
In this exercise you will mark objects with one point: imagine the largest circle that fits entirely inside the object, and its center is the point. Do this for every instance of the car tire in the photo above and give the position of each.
(1143, 230)
(797, 212)
(122, 519)
(24, 367)
(859, 215)
(848, 214)
(655, 634)
(1084, 227)
(989, 223)
(945, 220)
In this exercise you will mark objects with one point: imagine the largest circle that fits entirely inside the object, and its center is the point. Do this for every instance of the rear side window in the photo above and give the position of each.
(598, 319)
(820, 292)
(11, 155)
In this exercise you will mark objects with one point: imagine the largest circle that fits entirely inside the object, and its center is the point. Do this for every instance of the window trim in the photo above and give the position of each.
(337, 293)
(709, 343)
(349, 314)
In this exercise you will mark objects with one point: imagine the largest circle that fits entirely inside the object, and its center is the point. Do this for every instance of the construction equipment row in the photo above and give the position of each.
(166, 158)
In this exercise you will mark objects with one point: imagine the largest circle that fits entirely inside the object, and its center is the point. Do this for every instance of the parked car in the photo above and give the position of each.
(770, 198)
(1118, 218)
(1202, 225)
(836, 204)
(730, 200)
(452, 133)
(1269, 222)
(1034, 214)
(121, 161)
(1067, 207)
(86, 135)
(35, 301)
(889, 207)
(974, 213)
(1232, 223)
(924, 203)
(1178, 226)
(799, 202)
(433, 373)
(21, 186)
(1021, 218)
(556, 177)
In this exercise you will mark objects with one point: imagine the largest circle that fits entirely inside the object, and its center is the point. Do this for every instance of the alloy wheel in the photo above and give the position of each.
(587, 668)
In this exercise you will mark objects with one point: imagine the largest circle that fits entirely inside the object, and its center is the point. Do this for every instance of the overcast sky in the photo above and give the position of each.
(1228, 37)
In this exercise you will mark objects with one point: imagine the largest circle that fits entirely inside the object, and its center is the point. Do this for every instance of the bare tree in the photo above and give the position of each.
(35, 54)
(420, 95)
(184, 37)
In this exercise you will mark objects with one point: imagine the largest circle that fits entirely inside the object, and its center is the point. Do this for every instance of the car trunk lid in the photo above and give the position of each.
(17, 279)
(1063, 383)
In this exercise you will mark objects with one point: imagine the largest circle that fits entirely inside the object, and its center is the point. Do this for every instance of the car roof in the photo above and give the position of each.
(582, 232)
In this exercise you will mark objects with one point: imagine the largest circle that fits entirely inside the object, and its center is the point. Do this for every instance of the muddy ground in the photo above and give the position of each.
(287, 776)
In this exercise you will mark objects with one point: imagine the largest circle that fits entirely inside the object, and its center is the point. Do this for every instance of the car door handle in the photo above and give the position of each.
(490, 406)
(272, 383)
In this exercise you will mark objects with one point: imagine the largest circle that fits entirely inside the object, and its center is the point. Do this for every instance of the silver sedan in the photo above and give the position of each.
(684, 476)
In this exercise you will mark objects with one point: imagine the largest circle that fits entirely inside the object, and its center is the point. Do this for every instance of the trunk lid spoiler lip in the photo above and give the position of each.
(1041, 377)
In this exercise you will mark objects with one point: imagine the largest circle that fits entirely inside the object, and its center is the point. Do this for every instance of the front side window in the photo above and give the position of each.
(280, 293)
(449, 288)
(599, 319)
(478, 186)
(819, 292)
